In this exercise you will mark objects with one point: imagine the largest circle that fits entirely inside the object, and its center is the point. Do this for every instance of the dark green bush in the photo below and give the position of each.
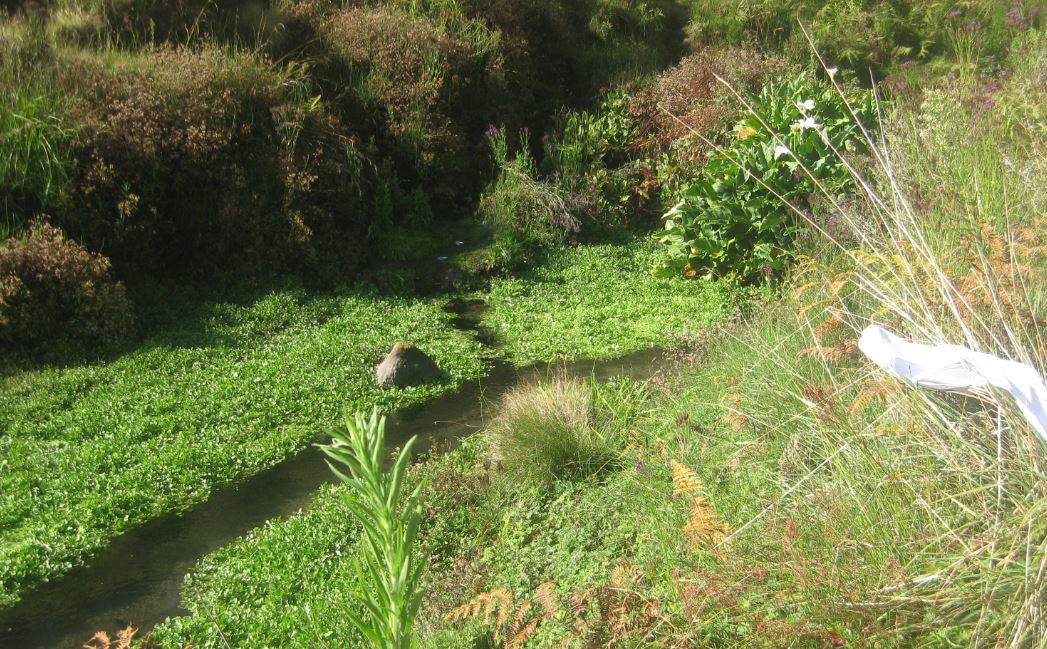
(424, 84)
(53, 292)
(526, 212)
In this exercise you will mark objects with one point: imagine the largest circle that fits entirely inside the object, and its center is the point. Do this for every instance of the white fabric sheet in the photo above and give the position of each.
(958, 369)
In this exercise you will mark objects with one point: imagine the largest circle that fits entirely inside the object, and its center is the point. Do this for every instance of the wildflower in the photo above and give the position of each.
(747, 133)
(805, 105)
(955, 13)
(832, 72)
(781, 150)
(639, 464)
(806, 123)
(492, 131)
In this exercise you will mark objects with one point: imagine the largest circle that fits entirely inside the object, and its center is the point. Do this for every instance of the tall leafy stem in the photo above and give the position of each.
(389, 584)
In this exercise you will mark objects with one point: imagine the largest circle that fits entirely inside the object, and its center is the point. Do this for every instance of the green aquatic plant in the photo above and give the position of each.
(389, 572)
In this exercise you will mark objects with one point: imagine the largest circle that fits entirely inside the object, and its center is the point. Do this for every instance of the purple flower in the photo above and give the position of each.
(492, 131)
(955, 13)
(992, 87)
(639, 464)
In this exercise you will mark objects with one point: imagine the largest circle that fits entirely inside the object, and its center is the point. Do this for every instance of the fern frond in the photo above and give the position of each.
(685, 481)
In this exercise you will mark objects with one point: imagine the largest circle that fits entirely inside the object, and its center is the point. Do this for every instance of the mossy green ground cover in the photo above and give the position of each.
(217, 392)
(599, 301)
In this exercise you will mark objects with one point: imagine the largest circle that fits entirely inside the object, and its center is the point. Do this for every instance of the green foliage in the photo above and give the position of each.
(874, 34)
(597, 302)
(589, 158)
(213, 393)
(36, 165)
(737, 218)
(282, 585)
(561, 430)
(55, 294)
(389, 585)
(525, 212)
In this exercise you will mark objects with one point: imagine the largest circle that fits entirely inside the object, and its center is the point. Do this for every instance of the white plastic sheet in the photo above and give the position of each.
(958, 369)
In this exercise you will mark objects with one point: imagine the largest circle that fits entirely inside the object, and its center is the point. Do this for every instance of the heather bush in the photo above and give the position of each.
(193, 160)
(54, 292)
(425, 85)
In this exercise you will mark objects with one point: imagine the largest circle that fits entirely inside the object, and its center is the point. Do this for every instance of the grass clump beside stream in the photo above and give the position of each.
(217, 392)
(598, 301)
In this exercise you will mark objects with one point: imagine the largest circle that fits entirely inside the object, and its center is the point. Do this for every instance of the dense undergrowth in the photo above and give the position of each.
(777, 490)
(769, 488)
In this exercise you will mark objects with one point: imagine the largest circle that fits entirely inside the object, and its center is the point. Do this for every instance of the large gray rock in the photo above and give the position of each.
(406, 365)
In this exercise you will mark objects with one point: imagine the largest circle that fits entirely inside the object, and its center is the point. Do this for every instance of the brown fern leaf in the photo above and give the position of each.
(524, 634)
(518, 619)
(685, 481)
(545, 596)
(704, 528)
(100, 640)
(495, 603)
(125, 636)
(877, 391)
(625, 576)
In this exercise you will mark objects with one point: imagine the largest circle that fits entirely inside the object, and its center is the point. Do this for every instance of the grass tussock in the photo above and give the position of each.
(565, 429)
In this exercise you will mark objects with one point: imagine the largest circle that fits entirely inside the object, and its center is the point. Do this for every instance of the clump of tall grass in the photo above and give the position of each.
(945, 493)
(563, 429)
(390, 572)
(35, 140)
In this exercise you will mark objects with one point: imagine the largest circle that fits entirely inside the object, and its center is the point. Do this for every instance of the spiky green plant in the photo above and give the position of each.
(389, 572)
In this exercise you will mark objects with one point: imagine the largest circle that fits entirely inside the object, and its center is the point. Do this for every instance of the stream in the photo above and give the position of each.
(137, 579)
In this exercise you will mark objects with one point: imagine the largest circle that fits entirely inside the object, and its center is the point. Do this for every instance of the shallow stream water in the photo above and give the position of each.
(137, 579)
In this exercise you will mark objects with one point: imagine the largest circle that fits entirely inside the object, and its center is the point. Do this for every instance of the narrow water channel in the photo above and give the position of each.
(138, 578)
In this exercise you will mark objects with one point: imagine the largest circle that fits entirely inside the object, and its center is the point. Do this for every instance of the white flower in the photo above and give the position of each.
(832, 72)
(806, 123)
(781, 150)
(806, 105)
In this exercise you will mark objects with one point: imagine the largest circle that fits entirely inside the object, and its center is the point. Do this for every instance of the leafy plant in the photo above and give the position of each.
(738, 217)
(525, 212)
(389, 572)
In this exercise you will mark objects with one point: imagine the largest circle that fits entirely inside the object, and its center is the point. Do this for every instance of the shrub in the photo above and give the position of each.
(194, 161)
(689, 98)
(565, 429)
(525, 212)
(426, 84)
(738, 218)
(872, 34)
(54, 292)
